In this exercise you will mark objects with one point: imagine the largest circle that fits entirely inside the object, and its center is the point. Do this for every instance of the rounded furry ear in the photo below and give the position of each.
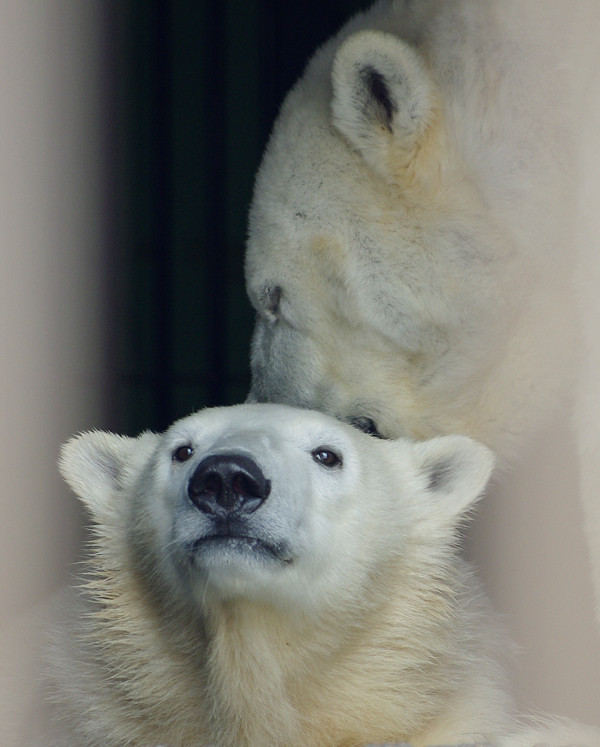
(383, 99)
(97, 464)
(456, 470)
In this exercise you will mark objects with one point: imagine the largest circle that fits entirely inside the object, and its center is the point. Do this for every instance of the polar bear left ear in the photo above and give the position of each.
(96, 465)
(456, 470)
(383, 99)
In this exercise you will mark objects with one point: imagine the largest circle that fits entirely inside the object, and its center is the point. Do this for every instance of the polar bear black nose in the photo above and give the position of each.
(227, 483)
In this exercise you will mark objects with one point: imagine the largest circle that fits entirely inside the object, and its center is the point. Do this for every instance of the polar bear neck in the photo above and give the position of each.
(276, 677)
(248, 673)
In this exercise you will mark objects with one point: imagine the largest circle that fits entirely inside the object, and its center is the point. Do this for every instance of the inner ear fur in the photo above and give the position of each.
(96, 465)
(456, 470)
(384, 102)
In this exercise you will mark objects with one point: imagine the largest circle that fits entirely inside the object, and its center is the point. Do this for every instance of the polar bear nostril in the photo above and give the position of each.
(213, 483)
(271, 299)
(244, 486)
(225, 483)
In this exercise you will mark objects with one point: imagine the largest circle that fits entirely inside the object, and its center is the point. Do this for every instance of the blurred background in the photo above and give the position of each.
(130, 133)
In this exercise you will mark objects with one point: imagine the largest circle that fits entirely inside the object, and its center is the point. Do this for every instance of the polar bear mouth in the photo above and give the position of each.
(214, 546)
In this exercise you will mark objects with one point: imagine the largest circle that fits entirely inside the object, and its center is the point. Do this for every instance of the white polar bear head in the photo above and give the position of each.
(256, 569)
(390, 256)
(268, 502)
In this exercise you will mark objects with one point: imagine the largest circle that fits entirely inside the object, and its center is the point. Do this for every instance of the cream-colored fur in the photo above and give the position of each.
(358, 624)
(423, 259)
(411, 239)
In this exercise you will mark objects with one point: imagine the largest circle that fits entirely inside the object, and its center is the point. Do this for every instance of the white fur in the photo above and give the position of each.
(379, 135)
(368, 627)
(428, 259)
(436, 242)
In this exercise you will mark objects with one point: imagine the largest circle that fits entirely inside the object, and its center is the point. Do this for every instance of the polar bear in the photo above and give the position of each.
(422, 258)
(411, 235)
(263, 575)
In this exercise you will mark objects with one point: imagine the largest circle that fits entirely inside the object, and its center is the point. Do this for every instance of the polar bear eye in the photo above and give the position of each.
(182, 453)
(366, 425)
(326, 457)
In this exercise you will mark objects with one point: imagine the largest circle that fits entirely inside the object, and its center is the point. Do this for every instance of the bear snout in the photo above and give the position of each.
(223, 484)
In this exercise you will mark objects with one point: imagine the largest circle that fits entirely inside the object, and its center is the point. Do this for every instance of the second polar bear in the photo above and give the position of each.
(413, 231)
(262, 575)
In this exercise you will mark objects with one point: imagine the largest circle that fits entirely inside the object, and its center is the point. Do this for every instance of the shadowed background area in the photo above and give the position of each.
(196, 87)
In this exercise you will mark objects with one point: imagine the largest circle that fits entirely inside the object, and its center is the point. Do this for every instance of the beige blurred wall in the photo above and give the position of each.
(529, 543)
(52, 268)
(52, 374)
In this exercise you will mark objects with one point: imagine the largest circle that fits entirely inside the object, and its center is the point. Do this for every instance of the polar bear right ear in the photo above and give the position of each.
(96, 466)
(456, 470)
(384, 100)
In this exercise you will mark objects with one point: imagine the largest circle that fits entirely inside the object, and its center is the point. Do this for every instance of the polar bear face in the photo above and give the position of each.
(270, 503)
(391, 259)
(254, 499)
(373, 282)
